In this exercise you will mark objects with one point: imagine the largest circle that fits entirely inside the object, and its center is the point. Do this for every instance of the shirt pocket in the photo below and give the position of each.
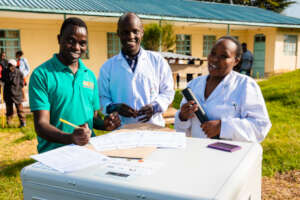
(87, 89)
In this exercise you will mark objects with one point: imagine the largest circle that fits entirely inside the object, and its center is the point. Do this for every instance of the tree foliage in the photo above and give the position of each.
(153, 33)
(273, 5)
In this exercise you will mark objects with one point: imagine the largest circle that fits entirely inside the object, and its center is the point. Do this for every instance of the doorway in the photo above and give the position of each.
(258, 69)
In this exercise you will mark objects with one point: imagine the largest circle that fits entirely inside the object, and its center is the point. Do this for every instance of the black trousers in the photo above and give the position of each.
(10, 112)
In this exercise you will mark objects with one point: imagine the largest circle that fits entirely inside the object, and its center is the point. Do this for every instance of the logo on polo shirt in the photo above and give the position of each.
(88, 84)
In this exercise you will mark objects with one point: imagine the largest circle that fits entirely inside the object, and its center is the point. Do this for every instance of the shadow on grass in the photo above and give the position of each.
(14, 168)
(29, 134)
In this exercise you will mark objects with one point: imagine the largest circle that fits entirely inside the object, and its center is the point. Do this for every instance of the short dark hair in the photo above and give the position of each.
(74, 21)
(239, 52)
(20, 53)
(125, 16)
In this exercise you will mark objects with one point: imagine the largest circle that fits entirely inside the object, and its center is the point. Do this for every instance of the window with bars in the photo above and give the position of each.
(290, 45)
(113, 44)
(9, 42)
(183, 44)
(208, 43)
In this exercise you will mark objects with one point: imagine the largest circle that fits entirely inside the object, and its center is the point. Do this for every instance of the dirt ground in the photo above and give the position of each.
(282, 186)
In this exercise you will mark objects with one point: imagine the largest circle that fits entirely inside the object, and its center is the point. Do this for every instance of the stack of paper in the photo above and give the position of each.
(70, 158)
(124, 140)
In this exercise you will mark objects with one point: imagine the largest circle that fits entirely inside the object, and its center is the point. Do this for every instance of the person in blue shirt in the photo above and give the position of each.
(247, 60)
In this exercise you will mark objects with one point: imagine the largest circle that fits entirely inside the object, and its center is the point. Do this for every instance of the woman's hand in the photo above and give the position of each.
(187, 110)
(212, 128)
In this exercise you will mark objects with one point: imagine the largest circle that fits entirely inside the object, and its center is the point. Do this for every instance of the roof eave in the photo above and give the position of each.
(144, 16)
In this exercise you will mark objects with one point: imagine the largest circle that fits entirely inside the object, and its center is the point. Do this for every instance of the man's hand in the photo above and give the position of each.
(123, 109)
(112, 121)
(211, 128)
(187, 110)
(81, 135)
(147, 112)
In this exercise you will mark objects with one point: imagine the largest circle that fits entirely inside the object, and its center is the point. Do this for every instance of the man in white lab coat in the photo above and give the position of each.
(136, 83)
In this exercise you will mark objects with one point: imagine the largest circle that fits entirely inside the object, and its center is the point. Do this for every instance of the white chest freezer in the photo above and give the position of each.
(196, 172)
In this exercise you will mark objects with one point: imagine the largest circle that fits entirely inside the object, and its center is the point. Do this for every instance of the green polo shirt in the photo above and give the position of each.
(72, 97)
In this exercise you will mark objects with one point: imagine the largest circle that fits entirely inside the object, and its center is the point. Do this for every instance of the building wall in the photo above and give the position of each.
(38, 38)
(246, 36)
(282, 62)
(39, 41)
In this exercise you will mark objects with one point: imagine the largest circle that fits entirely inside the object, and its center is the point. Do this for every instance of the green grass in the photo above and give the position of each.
(10, 182)
(28, 131)
(282, 145)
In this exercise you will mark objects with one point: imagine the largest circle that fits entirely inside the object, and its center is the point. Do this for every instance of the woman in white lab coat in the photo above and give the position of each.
(233, 102)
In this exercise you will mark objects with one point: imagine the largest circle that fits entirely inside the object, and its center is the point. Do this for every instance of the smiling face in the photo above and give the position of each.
(72, 44)
(130, 31)
(222, 58)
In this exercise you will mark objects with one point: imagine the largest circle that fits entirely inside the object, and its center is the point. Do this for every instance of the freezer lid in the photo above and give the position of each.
(196, 172)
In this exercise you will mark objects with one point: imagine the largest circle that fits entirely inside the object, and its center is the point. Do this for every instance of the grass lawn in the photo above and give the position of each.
(281, 146)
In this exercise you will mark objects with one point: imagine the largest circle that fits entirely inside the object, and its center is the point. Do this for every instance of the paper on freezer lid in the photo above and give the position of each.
(70, 158)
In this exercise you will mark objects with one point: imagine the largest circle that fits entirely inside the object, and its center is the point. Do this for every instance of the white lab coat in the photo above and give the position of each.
(237, 101)
(151, 81)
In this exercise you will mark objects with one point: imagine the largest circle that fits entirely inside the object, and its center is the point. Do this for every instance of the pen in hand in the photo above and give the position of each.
(69, 123)
(79, 137)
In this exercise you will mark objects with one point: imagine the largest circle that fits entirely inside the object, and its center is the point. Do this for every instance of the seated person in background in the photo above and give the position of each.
(233, 102)
(63, 87)
(136, 83)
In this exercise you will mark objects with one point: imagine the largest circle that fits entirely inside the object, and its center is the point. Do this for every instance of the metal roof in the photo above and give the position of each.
(175, 10)
(169, 55)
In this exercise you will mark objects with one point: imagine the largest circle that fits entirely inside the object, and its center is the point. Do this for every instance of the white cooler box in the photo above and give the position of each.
(196, 172)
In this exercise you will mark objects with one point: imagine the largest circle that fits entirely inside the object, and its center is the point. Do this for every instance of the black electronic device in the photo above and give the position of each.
(200, 113)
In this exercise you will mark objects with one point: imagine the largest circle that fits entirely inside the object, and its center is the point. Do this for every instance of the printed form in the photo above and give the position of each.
(124, 140)
(70, 158)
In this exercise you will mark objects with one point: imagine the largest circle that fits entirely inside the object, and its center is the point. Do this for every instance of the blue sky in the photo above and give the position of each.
(293, 10)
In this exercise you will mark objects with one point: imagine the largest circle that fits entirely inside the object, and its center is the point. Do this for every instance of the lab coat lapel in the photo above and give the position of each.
(202, 88)
(219, 90)
(123, 63)
(141, 61)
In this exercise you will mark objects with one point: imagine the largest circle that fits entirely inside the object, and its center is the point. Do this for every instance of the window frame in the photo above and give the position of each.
(207, 44)
(4, 47)
(184, 44)
(290, 47)
(116, 44)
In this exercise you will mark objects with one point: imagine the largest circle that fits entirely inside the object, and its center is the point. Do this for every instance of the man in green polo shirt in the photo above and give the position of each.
(64, 88)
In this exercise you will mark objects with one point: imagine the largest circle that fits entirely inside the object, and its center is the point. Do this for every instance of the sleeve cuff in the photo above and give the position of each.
(156, 107)
(181, 124)
(226, 132)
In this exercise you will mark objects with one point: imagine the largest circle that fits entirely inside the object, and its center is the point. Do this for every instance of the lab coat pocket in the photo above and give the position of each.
(231, 110)
(235, 109)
